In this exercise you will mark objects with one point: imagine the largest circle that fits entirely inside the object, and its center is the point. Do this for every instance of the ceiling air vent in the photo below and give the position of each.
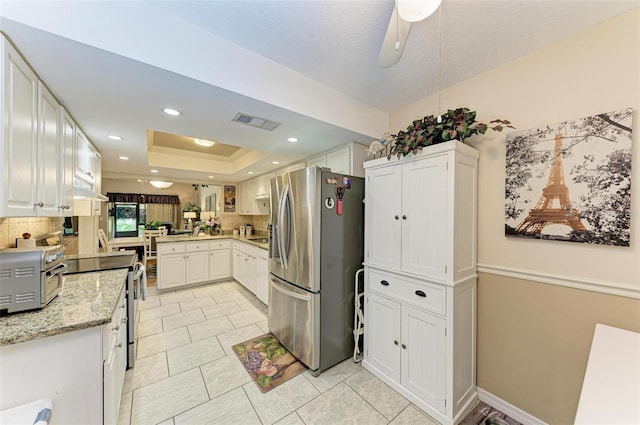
(255, 121)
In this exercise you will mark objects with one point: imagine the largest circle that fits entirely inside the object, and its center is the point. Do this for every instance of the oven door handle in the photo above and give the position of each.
(57, 269)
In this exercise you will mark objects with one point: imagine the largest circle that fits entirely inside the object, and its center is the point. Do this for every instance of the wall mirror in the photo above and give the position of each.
(211, 200)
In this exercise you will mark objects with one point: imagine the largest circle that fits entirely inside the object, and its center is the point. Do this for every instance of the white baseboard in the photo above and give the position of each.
(508, 409)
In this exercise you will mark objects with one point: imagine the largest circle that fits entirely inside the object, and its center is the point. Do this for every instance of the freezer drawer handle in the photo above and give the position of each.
(421, 294)
(279, 288)
(384, 283)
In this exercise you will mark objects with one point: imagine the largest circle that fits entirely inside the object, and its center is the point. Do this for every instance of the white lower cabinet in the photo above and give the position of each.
(81, 371)
(244, 265)
(219, 260)
(262, 277)
(114, 346)
(182, 264)
(421, 341)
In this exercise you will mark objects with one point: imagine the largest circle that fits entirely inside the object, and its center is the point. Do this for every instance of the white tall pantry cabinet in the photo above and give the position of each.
(420, 268)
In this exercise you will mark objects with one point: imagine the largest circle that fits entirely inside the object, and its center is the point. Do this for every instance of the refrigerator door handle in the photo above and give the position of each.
(280, 228)
(280, 288)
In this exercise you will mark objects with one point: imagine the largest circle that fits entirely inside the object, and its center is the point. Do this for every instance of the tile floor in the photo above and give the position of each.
(186, 372)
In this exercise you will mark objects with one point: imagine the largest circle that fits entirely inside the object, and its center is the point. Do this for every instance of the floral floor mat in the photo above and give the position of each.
(268, 363)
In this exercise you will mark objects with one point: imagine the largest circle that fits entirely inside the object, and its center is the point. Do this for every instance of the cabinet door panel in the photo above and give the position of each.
(340, 161)
(383, 335)
(197, 267)
(383, 234)
(424, 212)
(19, 137)
(171, 271)
(219, 264)
(66, 154)
(424, 358)
(50, 166)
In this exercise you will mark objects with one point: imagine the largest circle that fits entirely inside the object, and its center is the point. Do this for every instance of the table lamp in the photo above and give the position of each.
(190, 215)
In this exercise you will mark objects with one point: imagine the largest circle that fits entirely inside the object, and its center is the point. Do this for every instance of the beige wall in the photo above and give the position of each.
(534, 341)
(534, 338)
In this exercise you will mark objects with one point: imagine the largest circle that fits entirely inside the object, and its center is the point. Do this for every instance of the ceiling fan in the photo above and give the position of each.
(404, 13)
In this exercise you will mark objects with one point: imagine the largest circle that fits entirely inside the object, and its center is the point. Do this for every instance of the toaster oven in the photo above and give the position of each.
(30, 277)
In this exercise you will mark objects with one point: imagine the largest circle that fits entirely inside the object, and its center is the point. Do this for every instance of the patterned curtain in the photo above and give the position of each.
(143, 199)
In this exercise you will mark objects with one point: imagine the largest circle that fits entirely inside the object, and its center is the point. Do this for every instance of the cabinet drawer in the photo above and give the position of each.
(171, 248)
(197, 246)
(420, 294)
(225, 244)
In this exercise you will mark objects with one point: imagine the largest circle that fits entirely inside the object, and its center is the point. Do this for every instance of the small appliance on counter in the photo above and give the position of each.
(30, 277)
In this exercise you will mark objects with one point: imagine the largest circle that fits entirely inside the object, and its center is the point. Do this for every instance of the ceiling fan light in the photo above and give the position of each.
(417, 10)
(160, 184)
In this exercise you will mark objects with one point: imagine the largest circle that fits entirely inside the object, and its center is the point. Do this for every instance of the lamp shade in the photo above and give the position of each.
(190, 214)
(160, 184)
(417, 10)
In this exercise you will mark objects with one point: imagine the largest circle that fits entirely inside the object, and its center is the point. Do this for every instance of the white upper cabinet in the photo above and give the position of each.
(50, 166)
(347, 159)
(410, 219)
(85, 159)
(19, 135)
(37, 146)
(66, 152)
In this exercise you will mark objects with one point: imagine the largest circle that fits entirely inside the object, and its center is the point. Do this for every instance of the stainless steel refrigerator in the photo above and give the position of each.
(316, 244)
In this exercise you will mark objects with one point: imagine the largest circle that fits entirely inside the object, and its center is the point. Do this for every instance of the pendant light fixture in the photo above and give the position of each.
(417, 10)
(160, 184)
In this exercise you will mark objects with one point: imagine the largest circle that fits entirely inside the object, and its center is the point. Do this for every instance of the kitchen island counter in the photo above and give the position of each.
(86, 300)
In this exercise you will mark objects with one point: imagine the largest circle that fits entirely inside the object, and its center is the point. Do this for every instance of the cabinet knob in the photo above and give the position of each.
(404, 217)
(384, 283)
(117, 328)
(397, 217)
(395, 342)
(125, 319)
(119, 345)
(39, 204)
(404, 347)
(421, 294)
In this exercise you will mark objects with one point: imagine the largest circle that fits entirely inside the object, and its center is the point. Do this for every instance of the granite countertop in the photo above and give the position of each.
(86, 300)
(189, 238)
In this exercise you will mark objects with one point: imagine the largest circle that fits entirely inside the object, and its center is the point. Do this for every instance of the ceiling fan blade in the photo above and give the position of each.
(397, 33)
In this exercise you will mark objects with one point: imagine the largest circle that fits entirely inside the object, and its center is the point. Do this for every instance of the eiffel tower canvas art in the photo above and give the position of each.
(571, 181)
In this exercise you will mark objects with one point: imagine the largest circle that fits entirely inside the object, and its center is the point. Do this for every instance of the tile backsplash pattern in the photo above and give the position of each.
(234, 221)
(13, 227)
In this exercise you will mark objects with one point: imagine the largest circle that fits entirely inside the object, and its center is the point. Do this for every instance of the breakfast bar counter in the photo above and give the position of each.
(86, 300)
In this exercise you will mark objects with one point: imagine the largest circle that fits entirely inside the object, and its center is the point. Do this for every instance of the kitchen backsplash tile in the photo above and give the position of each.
(13, 227)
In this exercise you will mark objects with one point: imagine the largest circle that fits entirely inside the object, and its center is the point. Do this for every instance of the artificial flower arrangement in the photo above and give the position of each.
(212, 226)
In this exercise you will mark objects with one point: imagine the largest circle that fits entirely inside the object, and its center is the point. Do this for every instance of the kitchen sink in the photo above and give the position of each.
(260, 240)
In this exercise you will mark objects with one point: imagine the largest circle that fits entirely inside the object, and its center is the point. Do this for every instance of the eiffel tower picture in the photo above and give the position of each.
(554, 205)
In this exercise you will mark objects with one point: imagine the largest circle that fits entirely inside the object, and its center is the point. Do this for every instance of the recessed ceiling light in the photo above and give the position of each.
(124, 158)
(140, 180)
(114, 137)
(249, 172)
(205, 143)
(275, 162)
(171, 111)
(292, 139)
(210, 177)
(154, 171)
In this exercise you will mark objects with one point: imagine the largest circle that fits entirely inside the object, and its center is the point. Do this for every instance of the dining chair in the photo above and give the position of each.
(102, 237)
(150, 252)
